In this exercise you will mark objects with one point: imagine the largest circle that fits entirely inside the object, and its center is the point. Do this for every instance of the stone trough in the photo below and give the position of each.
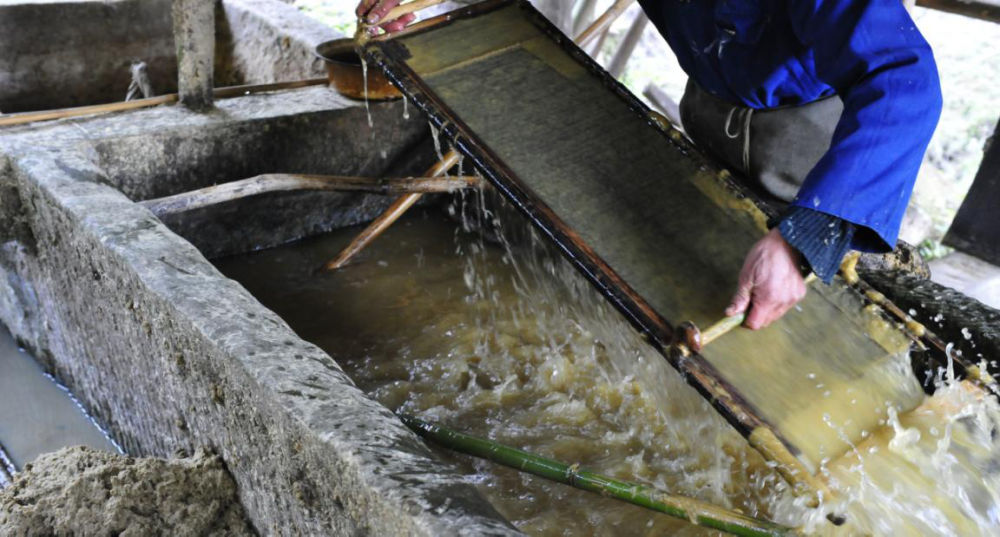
(168, 354)
(127, 311)
(164, 351)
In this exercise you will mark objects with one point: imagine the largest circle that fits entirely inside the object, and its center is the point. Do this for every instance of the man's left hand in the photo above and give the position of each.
(770, 282)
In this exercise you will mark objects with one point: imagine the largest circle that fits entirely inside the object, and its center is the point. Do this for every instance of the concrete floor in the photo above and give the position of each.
(969, 275)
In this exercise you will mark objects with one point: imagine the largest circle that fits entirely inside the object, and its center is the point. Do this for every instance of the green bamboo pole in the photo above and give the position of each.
(694, 511)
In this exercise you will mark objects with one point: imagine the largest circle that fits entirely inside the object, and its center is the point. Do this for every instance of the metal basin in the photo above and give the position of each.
(346, 74)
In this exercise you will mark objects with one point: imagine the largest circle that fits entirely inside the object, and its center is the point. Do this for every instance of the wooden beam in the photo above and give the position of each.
(280, 182)
(987, 10)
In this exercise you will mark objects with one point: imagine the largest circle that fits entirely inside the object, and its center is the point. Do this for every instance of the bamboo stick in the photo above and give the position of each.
(691, 339)
(387, 218)
(224, 92)
(276, 182)
(603, 22)
(695, 511)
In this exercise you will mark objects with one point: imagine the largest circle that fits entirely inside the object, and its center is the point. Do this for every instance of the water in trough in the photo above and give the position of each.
(37, 414)
(509, 342)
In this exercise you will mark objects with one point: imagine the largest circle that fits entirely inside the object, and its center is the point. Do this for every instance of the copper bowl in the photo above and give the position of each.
(343, 68)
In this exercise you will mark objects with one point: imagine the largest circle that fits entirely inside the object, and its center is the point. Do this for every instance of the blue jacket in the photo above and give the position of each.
(767, 53)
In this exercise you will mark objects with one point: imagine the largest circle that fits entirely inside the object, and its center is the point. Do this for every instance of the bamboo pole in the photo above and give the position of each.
(277, 182)
(387, 218)
(603, 22)
(224, 92)
(694, 511)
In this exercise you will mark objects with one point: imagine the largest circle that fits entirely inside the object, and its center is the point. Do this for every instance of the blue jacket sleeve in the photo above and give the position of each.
(871, 52)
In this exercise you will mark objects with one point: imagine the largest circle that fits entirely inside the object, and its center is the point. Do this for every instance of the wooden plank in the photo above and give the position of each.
(654, 226)
(988, 10)
(284, 182)
(976, 228)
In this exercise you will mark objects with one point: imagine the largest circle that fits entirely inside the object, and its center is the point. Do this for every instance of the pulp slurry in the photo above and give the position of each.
(511, 344)
(434, 322)
(37, 415)
(79, 491)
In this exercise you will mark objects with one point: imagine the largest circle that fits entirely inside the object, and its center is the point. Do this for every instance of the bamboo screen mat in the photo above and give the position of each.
(649, 220)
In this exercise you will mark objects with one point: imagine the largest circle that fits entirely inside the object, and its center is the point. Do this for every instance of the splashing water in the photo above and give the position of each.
(484, 328)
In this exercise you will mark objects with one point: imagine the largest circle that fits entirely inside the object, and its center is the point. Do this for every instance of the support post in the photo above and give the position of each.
(632, 38)
(976, 228)
(194, 38)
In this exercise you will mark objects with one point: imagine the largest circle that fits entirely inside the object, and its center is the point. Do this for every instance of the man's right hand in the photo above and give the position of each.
(372, 11)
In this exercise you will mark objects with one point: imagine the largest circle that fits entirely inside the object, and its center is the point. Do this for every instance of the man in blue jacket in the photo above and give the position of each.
(826, 104)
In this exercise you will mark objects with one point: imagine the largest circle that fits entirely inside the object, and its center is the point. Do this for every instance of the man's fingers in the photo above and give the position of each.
(363, 7)
(380, 10)
(741, 299)
(758, 317)
(399, 24)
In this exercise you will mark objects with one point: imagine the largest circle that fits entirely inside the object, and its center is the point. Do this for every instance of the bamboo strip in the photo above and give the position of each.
(694, 511)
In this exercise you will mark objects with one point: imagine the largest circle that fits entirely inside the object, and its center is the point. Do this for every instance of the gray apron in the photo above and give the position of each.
(774, 149)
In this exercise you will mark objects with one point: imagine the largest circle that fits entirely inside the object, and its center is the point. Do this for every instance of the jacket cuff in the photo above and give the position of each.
(822, 239)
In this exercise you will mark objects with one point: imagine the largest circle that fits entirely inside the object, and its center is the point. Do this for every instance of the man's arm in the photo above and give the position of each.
(855, 197)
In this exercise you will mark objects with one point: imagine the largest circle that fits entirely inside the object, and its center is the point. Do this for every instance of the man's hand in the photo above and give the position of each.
(770, 282)
(372, 11)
